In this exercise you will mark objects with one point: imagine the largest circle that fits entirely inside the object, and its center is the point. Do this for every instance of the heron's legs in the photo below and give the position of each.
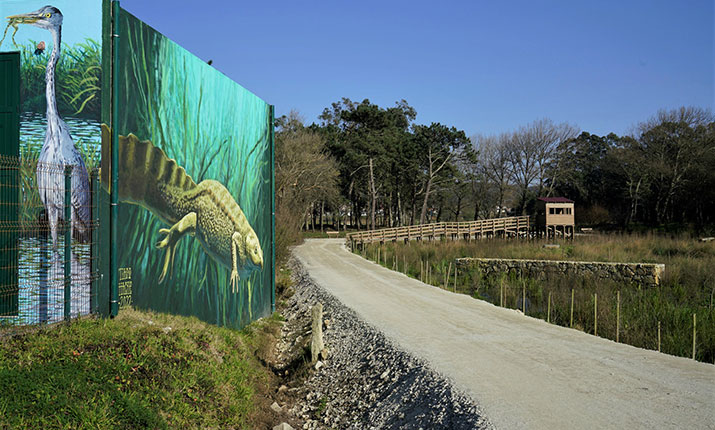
(53, 218)
(187, 224)
(235, 254)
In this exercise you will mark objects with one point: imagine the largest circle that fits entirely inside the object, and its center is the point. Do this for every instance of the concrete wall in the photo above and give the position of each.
(638, 273)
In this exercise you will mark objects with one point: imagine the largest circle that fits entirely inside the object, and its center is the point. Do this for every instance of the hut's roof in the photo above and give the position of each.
(555, 200)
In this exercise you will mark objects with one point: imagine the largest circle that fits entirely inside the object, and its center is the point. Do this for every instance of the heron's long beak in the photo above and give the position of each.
(24, 18)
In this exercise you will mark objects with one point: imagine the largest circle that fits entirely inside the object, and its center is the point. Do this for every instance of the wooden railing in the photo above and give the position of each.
(457, 230)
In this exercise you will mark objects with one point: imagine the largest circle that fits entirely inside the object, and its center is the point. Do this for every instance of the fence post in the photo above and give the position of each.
(501, 292)
(94, 248)
(455, 277)
(618, 318)
(571, 323)
(446, 280)
(658, 336)
(548, 307)
(523, 296)
(68, 242)
(595, 314)
(694, 324)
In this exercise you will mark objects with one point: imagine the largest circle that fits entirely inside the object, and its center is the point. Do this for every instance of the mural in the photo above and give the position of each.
(60, 99)
(195, 175)
(195, 168)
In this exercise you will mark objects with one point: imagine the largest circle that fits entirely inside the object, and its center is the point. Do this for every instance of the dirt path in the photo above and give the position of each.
(523, 372)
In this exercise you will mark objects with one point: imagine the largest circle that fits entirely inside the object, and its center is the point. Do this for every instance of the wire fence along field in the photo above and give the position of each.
(44, 280)
(658, 318)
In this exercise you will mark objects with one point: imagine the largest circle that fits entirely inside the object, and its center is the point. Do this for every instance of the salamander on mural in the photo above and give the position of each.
(206, 210)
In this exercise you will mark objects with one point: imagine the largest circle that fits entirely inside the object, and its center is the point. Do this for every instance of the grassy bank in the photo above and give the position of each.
(687, 288)
(140, 370)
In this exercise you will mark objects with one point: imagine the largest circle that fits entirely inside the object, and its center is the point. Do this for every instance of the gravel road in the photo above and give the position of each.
(522, 372)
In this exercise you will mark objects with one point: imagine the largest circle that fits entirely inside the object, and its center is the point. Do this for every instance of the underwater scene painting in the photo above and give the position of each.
(195, 183)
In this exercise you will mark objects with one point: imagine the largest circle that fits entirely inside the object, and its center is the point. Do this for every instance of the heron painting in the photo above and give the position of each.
(58, 150)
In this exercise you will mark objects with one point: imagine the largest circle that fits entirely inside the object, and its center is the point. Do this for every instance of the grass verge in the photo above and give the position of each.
(139, 370)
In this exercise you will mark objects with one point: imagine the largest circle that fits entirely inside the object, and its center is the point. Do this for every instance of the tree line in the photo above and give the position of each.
(363, 166)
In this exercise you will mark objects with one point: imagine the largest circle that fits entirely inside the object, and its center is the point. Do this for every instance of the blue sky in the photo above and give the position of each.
(482, 66)
(81, 19)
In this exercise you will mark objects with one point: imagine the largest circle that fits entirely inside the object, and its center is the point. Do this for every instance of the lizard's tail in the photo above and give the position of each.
(145, 172)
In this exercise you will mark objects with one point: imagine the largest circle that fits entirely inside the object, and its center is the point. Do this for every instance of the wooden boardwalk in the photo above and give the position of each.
(495, 227)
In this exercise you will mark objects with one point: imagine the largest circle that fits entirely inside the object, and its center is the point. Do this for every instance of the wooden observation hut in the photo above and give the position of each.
(555, 216)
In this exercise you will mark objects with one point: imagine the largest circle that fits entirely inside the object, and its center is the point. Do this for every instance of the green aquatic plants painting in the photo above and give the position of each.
(195, 238)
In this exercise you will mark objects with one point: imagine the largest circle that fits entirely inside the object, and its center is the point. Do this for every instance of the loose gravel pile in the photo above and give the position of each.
(366, 381)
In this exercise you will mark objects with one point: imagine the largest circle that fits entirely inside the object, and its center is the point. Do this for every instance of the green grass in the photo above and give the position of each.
(687, 287)
(130, 372)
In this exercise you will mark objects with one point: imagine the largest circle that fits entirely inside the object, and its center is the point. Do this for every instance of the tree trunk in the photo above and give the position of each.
(391, 214)
(373, 195)
(424, 202)
(312, 217)
(322, 211)
(400, 215)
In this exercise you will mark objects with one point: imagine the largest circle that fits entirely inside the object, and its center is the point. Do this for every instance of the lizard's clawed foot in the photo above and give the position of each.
(169, 242)
(234, 280)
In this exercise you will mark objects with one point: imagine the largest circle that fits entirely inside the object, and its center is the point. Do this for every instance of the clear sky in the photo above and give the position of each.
(481, 66)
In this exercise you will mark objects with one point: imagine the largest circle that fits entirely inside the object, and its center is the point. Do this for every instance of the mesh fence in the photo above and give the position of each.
(48, 242)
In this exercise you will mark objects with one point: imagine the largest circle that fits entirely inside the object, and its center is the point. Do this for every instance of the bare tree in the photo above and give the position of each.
(531, 149)
(495, 164)
(305, 174)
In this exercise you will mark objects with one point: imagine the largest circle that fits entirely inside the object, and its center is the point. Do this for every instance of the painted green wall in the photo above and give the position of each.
(214, 129)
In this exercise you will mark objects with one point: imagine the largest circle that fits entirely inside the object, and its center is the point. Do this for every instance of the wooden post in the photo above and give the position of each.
(455, 277)
(404, 263)
(523, 296)
(618, 319)
(548, 307)
(694, 324)
(595, 314)
(571, 323)
(658, 336)
(501, 292)
(378, 255)
(446, 280)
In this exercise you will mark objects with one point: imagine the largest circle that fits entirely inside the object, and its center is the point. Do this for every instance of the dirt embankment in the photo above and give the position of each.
(366, 381)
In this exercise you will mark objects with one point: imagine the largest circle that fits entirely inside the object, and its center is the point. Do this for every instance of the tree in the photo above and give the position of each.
(495, 165)
(438, 146)
(368, 141)
(531, 149)
(305, 174)
(674, 143)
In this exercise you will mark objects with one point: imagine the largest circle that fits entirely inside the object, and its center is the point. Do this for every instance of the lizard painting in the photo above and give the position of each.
(208, 211)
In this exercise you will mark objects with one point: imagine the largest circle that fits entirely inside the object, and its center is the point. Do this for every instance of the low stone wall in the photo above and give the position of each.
(638, 273)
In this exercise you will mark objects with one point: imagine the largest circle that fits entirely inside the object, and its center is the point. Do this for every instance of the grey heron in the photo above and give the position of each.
(58, 149)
